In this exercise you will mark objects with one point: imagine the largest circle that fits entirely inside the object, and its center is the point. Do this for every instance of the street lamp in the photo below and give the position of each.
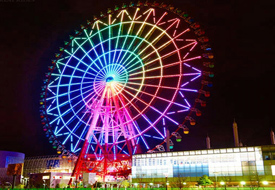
(265, 183)
(166, 183)
(151, 185)
(216, 179)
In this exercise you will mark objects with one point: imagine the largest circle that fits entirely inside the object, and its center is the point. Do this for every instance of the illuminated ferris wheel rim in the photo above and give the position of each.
(149, 44)
(102, 81)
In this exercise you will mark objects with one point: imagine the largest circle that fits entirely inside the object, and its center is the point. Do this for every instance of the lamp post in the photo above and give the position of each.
(215, 179)
(166, 182)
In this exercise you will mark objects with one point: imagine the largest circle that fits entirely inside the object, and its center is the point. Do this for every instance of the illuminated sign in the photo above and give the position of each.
(53, 164)
(46, 177)
(57, 177)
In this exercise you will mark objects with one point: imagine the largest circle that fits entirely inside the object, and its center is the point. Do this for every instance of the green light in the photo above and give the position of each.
(54, 147)
(171, 147)
(178, 140)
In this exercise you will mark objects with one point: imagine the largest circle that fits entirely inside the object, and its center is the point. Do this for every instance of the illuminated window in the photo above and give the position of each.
(236, 150)
(229, 150)
(210, 151)
(273, 169)
(223, 150)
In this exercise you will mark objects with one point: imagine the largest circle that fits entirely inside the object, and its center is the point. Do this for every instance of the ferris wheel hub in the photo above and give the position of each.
(110, 78)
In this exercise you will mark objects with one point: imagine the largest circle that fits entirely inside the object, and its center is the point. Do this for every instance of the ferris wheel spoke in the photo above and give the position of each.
(118, 35)
(69, 110)
(133, 122)
(129, 30)
(75, 68)
(70, 76)
(169, 42)
(167, 76)
(139, 30)
(158, 97)
(71, 119)
(100, 38)
(86, 54)
(162, 57)
(64, 103)
(156, 68)
(92, 44)
(143, 115)
(70, 84)
(72, 55)
(156, 39)
(164, 32)
(166, 87)
(76, 126)
(109, 37)
(64, 94)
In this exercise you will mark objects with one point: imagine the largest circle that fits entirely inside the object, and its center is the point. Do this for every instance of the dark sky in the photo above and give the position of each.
(241, 32)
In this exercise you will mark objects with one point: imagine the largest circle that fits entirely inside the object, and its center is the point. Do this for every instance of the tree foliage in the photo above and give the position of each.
(205, 181)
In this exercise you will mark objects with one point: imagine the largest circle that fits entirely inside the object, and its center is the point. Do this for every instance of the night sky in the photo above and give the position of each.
(241, 32)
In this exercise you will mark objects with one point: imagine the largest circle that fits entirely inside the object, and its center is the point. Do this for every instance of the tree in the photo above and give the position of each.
(205, 181)
(179, 181)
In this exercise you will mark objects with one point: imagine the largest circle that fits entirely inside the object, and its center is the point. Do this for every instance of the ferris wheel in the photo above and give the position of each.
(125, 78)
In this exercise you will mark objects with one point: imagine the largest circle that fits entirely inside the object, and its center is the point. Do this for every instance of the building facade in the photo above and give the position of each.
(227, 165)
(6, 158)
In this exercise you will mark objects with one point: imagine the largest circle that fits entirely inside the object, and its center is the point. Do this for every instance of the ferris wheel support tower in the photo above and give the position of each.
(106, 108)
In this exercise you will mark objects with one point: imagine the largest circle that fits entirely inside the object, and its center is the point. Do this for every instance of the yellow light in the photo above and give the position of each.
(242, 182)
(265, 182)
(66, 177)
(222, 183)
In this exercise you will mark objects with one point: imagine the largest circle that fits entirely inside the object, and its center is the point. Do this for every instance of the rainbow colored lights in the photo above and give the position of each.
(122, 74)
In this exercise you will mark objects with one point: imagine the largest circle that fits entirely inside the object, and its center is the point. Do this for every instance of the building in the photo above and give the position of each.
(49, 171)
(251, 165)
(6, 158)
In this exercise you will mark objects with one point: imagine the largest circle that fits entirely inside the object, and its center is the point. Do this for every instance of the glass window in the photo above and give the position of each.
(175, 153)
(223, 150)
(229, 150)
(216, 151)
(236, 150)
(210, 151)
